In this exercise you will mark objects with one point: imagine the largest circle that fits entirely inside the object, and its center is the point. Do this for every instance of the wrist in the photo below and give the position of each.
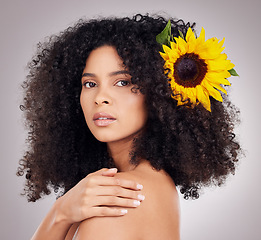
(59, 215)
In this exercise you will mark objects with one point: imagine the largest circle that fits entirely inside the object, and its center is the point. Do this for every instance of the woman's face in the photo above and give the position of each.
(112, 111)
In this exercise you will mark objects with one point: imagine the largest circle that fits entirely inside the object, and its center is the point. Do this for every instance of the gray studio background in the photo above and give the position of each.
(230, 212)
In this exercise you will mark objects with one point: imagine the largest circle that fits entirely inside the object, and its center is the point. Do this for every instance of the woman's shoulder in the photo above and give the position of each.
(160, 209)
(156, 218)
(157, 185)
(149, 175)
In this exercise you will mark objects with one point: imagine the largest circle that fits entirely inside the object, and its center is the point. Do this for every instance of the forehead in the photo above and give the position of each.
(104, 58)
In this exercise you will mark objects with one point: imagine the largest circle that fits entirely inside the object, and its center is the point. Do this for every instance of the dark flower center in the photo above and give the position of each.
(189, 70)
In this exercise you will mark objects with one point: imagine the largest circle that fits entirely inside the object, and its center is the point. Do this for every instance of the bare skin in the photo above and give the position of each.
(89, 198)
(98, 203)
(157, 217)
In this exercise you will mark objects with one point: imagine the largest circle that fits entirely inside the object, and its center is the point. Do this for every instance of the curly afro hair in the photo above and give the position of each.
(195, 147)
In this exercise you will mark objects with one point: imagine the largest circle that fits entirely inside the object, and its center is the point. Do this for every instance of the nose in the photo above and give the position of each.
(103, 97)
(103, 102)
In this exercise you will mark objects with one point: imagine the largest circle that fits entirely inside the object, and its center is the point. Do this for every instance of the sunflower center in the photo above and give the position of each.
(189, 70)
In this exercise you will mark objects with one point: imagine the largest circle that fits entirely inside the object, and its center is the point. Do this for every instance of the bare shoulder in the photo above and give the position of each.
(159, 212)
(156, 218)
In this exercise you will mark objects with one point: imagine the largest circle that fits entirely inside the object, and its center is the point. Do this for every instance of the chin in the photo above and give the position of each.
(111, 137)
(105, 137)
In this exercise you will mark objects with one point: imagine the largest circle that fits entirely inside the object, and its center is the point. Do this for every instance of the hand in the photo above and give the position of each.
(99, 194)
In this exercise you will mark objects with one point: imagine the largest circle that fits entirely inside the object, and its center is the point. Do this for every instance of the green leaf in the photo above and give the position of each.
(164, 36)
(181, 34)
(233, 72)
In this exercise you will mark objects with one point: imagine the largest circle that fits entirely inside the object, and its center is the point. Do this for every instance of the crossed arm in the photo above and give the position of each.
(157, 217)
(100, 216)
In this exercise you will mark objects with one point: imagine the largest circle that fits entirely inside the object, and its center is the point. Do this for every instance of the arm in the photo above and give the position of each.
(53, 225)
(91, 197)
(156, 218)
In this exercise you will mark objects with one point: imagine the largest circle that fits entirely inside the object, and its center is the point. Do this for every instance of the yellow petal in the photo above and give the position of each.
(190, 36)
(212, 50)
(214, 43)
(203, 97)
(192, 96)
(174, 56)
(219, 65)
(168, 64)
(217, 75)
(222, 56)
(164, 56)
(179, 102)
(201, 49)
(213, 92)
(218, 80)
(201, 38)
(230, 65)
(166, 49)
(217, 86)
(191, 41)
(182, 46)
(191, 46)
(220, 44)
(173, 45)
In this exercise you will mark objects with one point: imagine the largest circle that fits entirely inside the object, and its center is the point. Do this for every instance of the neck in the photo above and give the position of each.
(119, 151)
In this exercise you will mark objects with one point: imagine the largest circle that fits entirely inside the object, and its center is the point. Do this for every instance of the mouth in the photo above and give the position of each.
(103, 119)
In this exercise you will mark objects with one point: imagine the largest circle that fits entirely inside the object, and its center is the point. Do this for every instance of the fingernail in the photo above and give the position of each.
(136, 203)
(124, 211)
(139, 186)
(141, 197)
(112, 169)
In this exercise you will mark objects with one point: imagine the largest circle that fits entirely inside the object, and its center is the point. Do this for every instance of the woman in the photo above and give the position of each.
(101, 95)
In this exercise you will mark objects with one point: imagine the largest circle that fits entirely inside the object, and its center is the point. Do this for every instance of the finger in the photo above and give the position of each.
(98, 172)
(110, 172)
(114, 181)
(115, 201)
(108, 211)
(119, 192)
(130, 184)
(104, 171)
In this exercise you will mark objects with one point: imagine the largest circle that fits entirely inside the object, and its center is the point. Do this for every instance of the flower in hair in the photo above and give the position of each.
(196, 68)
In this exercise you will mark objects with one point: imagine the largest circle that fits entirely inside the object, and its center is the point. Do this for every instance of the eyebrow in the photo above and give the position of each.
(111, 74)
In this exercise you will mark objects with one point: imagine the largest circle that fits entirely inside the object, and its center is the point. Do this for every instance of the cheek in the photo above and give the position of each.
(136, 112)
(85, 105)
(82, 102)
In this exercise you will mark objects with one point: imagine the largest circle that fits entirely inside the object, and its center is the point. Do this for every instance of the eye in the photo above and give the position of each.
(122, 83)
(89, 84)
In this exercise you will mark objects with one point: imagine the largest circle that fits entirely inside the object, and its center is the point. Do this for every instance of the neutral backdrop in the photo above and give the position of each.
(230, 212)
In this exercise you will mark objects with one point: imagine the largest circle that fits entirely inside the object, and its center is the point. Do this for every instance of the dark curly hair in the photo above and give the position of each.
(195, 147)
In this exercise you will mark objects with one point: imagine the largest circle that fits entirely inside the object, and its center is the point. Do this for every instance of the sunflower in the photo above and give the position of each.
(196, 68)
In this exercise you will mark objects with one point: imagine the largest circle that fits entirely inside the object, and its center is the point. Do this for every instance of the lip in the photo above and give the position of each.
(103, 122)
(96, 116)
